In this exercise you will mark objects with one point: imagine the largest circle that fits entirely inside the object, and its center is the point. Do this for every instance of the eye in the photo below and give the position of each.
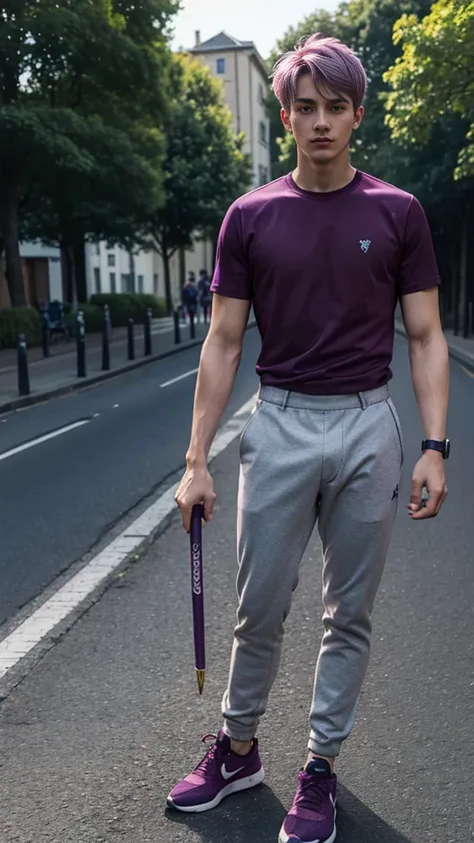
(305, 109)
(337, 108)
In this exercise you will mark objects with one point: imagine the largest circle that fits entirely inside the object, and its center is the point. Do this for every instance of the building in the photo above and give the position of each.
(244, 77)
(42, 276)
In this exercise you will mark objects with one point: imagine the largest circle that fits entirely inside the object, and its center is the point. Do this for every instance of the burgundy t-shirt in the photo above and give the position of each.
(324, 272)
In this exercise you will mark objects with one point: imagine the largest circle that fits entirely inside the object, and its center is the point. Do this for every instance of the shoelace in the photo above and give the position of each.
(210, 754)
(312, 792)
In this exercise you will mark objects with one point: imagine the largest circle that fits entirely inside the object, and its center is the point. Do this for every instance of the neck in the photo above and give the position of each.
(325, 177)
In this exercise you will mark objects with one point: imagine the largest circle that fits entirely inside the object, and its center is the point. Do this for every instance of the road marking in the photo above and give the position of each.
(42, 621)
(179, 378)
(40, 439)
(470, 374)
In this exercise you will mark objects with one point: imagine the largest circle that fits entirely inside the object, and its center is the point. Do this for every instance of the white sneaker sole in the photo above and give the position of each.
(228, 790)
(283, 838)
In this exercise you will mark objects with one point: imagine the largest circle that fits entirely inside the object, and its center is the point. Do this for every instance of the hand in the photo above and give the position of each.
(196, 487)
(429, 472)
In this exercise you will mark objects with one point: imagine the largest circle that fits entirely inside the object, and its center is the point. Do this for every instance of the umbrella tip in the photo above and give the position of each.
(201, 676)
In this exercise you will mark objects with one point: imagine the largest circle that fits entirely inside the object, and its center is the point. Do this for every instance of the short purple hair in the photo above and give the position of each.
(333, 66)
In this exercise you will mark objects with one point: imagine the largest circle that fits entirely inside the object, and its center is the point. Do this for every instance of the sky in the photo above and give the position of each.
(260, 21)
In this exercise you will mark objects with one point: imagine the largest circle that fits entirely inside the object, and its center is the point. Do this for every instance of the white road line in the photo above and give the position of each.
(41, 622)
(179, 378)
(41, 439)
(467, 372)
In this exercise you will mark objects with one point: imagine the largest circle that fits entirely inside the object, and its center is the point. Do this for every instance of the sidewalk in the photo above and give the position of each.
(57, 374)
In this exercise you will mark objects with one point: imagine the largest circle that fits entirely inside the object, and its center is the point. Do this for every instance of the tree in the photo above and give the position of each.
(70, 56)
(109, 197)
(432, 98)
(433, 77)
(204, 168)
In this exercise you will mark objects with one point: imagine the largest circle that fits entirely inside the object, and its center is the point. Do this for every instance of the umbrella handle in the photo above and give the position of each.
(197, 587)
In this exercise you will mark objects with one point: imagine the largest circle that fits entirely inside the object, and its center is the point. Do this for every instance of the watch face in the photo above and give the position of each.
(447, 448)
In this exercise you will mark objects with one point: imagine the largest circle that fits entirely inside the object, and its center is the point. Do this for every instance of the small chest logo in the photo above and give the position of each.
(365, 245)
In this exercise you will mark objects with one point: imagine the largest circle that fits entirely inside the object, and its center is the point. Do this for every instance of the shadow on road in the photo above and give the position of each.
(246, 819)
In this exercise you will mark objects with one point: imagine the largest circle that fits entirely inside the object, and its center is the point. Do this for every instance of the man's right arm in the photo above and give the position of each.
(220, 359)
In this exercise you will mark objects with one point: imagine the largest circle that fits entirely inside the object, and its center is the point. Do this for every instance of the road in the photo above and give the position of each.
(95, 736)
(60, 496)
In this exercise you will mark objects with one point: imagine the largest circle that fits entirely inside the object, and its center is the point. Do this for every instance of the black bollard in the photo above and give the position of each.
(148, 319)
(177, 329)
(131, 340)
(23, 376)
(192, 326)
(106, 340)
(45, 335)
(81, 345)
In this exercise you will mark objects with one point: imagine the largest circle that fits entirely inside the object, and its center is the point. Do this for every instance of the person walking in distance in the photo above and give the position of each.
(323, 255)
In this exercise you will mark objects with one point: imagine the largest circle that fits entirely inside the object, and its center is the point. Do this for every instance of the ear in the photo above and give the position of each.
(358, 117)
(285, 119)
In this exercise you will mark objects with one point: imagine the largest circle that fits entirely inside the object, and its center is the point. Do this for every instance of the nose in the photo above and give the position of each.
(321, 119)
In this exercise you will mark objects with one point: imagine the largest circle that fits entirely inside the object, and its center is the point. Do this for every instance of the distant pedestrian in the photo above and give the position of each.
(205, 295)
(323, 255)
(189, 299)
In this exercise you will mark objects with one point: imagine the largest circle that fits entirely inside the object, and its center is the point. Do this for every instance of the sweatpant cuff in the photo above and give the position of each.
(327, 750)
(237, 733)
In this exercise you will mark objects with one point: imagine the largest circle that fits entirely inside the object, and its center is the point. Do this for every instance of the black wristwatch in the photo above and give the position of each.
(443, 446)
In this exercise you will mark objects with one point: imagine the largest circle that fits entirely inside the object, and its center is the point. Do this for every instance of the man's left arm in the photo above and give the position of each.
(429, 362)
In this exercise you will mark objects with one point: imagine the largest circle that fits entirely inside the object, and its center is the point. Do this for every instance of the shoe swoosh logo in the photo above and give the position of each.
(226, 775)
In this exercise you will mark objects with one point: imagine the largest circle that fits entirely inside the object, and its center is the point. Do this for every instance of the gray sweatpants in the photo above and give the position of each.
(334, 460)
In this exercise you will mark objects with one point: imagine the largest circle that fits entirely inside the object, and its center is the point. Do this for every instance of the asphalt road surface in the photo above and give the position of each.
(95, 736)
(60, 496)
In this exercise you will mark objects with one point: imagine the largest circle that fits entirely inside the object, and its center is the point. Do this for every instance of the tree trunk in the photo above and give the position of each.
(9, 221)
(69, 265)
(182, 267)
(80, 270)
(167, 274)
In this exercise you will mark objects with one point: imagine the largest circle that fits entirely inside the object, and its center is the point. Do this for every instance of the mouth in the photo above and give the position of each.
(321, 141)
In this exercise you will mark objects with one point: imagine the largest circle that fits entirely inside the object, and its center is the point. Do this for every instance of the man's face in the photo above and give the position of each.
(322, 125)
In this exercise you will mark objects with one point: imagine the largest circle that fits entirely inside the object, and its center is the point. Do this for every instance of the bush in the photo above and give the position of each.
(93, 319)
(122, 306)
(19, 320)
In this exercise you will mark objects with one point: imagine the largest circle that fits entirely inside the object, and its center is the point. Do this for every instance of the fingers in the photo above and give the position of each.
(209, 502)
(433, 505)
(416, 495)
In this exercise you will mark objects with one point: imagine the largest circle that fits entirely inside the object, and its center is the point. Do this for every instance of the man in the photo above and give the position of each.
(323, 255)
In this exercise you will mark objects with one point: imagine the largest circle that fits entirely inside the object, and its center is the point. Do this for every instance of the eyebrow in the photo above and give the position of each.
(309, 101)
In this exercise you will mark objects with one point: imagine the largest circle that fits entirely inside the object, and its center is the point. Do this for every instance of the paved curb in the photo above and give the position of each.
(465, 359)
(83, 383)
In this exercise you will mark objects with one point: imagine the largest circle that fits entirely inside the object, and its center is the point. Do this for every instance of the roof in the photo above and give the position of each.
(224, 42)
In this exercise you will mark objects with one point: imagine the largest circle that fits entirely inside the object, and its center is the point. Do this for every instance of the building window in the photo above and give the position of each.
(97, 248)
(110, 259)
(125, 280)
(97, 284)
(155, 284)
(261, 98)
(263, 133)
(140, 283)
(113, 285)
(220, 66)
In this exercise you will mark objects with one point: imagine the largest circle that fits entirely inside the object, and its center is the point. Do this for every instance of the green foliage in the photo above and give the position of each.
(83, 90)
(433, 78)
(123, 306)
(19, 320)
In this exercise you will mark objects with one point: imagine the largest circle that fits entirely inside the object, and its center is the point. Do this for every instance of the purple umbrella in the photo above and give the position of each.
(198, 594)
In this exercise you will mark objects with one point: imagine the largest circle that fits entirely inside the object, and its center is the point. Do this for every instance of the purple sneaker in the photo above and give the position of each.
(312, 817)
(220, 773)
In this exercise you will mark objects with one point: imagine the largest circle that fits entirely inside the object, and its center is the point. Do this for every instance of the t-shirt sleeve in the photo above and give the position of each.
(419, 270)
(231, 275)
